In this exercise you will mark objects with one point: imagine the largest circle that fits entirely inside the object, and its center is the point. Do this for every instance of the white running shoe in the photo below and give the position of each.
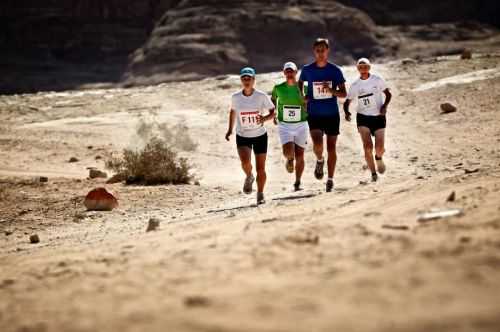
(380, 165)
(247, 186)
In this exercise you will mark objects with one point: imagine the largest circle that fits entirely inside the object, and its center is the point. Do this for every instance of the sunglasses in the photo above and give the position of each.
(246, 78)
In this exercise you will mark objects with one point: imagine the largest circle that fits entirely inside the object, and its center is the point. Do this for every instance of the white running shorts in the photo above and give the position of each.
(294, 132)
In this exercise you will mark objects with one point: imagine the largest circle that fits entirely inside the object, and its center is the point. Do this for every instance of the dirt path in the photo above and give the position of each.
(354, 260)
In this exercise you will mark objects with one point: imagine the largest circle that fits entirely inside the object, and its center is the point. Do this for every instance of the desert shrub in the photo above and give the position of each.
(156, 163)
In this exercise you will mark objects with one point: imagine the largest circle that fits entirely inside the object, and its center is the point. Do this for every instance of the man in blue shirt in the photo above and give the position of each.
(325, 82)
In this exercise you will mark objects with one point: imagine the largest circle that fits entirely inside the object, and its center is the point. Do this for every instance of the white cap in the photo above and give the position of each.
(364, 61)
(290, 65)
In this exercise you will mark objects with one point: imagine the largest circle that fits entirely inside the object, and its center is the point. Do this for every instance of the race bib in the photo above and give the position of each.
(367, 102)
(248, 120)
(320, 92)
(292, 113)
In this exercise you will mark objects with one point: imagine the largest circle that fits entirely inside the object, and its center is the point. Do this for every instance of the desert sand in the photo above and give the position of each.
(357, 259)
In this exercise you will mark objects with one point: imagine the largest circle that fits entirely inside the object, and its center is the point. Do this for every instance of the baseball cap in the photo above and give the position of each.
(364, 61)
(247, 71)
(290, 65)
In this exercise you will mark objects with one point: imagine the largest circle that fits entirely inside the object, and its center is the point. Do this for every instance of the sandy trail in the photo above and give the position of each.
(354, 260)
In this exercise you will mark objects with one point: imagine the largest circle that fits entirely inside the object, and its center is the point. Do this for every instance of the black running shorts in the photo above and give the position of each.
(258, 144)
(372, 122)
(328, 125)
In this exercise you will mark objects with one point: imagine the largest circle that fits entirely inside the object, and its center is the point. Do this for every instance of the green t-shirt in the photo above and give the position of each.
(289, 102)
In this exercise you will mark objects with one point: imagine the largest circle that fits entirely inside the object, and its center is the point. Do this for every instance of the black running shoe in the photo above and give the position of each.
(329, 186)
(318, 171)
(296, 186)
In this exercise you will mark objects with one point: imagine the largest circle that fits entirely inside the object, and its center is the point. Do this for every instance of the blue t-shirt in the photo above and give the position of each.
(321, 103)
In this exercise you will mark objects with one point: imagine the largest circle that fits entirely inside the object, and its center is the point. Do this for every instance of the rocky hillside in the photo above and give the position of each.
(199, 38)
(67, 44)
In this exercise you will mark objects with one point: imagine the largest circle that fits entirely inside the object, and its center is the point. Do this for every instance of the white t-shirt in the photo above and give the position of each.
(247, 108)
(368, 94)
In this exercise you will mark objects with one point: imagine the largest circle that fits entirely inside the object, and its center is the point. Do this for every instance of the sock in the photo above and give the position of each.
(378, 158)
(321, 160)
(374, 173)
(330, 178)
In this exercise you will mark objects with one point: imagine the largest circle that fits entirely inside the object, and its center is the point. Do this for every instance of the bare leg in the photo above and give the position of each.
(245, 154)
(364, 132)
(299, 164)
(380, 143)
(331, 145)
(289, 150)
(260, 161)
(317, 138)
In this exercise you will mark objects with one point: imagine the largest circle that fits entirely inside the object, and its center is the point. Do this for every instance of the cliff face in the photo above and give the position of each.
(199, 38)
(397, 12)
(77, 30)
(63, 44)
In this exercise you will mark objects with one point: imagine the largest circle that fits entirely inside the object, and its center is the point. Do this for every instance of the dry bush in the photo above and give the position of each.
(156, 163)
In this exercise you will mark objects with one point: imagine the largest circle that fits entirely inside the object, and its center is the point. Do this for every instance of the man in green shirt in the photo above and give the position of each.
(292, 118)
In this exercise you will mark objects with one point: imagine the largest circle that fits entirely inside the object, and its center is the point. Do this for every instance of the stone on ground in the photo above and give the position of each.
(100, 199)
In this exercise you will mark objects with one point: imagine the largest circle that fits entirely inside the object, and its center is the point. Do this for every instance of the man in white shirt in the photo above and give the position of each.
(373, 97)
(250, 108)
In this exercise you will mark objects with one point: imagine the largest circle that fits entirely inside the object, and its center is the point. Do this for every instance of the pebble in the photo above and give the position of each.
(73, 160)
(153, 224)
(466, 55)
(34, 238)
(95, 173)
(448, 108)
(451, 197)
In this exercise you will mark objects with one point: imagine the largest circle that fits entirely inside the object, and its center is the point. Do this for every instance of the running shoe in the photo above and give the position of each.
(260, 199)
(318, 171)
(296, 186)
(247, 186)
(374, 177)
(329, 186)
(290, 167)
(380, 165)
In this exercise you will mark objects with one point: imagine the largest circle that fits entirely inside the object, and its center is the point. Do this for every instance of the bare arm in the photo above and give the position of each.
(232, 117)
(347, 103)
(340, 92)
(388, 97)
(267, 117)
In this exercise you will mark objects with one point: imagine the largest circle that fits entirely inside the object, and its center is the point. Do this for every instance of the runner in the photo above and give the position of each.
(325, 82)
(247, 108)
(369, 91)
(292, 118)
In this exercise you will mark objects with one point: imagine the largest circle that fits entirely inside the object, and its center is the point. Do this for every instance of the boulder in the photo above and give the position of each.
(34, 238)
(100, 199)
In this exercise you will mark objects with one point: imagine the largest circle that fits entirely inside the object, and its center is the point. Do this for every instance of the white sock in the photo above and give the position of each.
(330, 178)
(322, 159)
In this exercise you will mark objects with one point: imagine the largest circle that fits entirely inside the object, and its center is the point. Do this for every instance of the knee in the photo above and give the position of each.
(368, 148)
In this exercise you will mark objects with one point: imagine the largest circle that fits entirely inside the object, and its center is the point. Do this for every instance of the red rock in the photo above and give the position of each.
(100, 199)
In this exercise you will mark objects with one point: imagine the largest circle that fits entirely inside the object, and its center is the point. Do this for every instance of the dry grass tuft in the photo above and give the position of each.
(155, 164)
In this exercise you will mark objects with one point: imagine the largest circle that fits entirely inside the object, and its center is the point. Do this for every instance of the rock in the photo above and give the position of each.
(196, 183)
(396, 227)
(90, 147)
(451, 197)
(73, 160)
(439, 214)
(95, 173)
(98, 157)
(41, 179)
(8, 232)
(191, 41)
(408, 61)
(447, 108)
(196, 301)
(471, 170)
(100, 199)
(117, 178)
(34, 238)
(466, 55)
(153, 224)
